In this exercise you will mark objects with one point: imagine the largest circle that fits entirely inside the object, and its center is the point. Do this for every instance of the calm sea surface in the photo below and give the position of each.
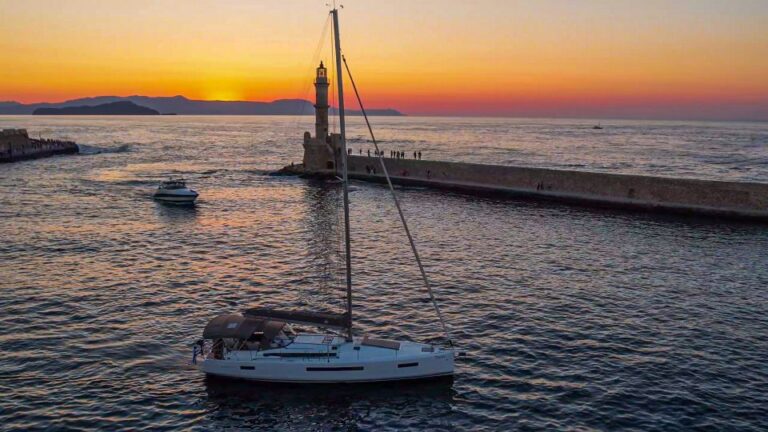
(571, 318)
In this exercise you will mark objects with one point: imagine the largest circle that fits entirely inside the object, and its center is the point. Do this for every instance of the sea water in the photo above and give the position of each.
(571, 318)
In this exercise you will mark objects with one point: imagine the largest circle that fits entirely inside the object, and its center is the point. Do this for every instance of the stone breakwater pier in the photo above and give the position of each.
(733, 200)
(672, 195)
(16, 145)
(322, 157)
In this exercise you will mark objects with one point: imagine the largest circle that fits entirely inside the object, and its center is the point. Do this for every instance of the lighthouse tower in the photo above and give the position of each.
(321, 151)
(321, 103)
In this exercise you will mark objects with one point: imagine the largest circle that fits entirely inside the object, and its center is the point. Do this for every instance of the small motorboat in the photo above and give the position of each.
(597, 126)
(175, 191)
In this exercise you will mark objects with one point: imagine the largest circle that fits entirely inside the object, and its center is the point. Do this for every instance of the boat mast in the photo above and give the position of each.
(340, 84)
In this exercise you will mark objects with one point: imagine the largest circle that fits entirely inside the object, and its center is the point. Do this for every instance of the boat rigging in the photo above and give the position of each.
(261, 344)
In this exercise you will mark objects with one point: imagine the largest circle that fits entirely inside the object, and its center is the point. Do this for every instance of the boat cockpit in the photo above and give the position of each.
(173, 184)
(260, 330)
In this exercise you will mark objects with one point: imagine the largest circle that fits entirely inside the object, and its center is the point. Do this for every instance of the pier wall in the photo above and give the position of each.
(731, 199)
(16, 145)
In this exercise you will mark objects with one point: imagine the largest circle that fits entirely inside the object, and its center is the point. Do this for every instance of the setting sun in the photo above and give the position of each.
(223, 95)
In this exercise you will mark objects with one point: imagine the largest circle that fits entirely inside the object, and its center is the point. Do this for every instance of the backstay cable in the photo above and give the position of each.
(399, 210)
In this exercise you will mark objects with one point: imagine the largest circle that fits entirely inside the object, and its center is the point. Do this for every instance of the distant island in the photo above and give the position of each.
(113, 108)
(182, 106)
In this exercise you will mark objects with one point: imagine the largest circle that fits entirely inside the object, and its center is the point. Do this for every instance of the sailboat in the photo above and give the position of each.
(261, 343)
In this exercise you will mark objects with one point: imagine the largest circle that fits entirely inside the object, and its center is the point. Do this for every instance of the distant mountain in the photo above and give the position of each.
(112, 108)
(183, 106)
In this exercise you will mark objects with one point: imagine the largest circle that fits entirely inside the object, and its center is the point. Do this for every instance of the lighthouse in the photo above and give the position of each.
(321, 103)
(321, 151)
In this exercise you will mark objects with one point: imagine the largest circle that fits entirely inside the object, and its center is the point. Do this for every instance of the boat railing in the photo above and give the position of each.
(303, 355)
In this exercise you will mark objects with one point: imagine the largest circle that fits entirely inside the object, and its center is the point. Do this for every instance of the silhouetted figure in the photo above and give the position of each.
(419, 154)
(414, 155)
(369, 152)
(360, 151)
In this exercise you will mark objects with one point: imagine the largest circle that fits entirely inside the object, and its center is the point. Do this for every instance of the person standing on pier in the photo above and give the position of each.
(369, 152)
(419, 154)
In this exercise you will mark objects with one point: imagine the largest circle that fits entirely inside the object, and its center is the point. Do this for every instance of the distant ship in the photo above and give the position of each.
(597, 126)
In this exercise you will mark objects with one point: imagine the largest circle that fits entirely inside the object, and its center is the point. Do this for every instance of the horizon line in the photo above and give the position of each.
(479, 116)
(754, 118)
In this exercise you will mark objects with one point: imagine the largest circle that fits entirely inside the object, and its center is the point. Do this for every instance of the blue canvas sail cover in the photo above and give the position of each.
(237, 326)
(320, 319)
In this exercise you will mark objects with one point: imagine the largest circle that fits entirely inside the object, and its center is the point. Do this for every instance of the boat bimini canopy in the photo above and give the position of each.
(236, 326)
(320, 319)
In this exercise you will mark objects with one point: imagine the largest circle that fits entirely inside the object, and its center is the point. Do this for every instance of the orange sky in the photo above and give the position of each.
(491, 57)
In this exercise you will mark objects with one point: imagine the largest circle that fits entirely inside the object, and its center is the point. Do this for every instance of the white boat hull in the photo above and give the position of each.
(177, 197)
(345, 364)
(301, 372)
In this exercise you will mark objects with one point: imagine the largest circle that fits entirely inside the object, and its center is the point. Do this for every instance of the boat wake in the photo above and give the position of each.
(84, 149)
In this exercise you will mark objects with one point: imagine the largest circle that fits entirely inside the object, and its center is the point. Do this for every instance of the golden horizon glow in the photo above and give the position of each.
(427, 57)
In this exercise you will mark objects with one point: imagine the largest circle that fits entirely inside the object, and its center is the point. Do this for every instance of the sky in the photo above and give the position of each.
(686, 59)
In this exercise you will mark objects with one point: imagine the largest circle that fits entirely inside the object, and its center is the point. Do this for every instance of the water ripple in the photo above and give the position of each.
(571, 318)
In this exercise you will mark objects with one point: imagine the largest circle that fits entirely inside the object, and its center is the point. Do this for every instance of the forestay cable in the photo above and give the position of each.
(306, 85)
(399, 210)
